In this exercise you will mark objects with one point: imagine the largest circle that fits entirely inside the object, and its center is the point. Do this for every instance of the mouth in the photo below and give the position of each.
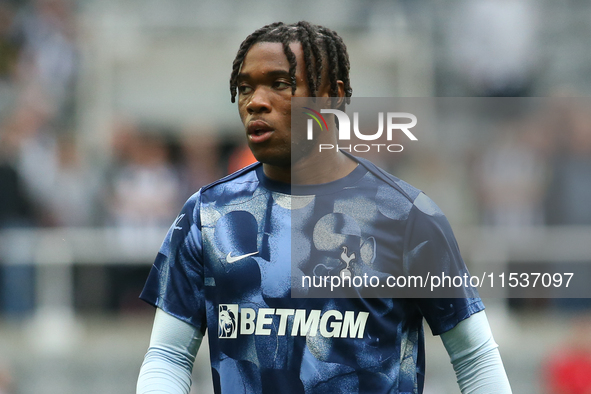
(259, 131)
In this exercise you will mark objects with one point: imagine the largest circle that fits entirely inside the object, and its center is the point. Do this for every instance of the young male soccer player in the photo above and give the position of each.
(225, 265)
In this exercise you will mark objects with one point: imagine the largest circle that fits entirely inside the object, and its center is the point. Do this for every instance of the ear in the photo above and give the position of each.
(340, 94)
(324, 91)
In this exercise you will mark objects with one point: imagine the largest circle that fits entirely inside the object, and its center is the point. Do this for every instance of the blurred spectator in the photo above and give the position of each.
(15, 207)
(569, 193)
(144, 194)
(16, 281)
(37, 59)
(511, 177)
(71, 199)
(9, 43)
(48, 60)
(567, 370)
(494, 44)
(31, 145)
(145, 188)
(60, 185)
(201, 164)
(18, 209)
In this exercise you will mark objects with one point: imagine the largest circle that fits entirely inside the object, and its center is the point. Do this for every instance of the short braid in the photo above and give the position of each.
(318, 43)
(315, 49)
(304, 36)
(342, 60)
(345, 66)
(292, 61)
(333, 65)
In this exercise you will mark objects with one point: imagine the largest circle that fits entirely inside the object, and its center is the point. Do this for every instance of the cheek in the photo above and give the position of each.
(286, 110)
(286, 116)
(242, 111)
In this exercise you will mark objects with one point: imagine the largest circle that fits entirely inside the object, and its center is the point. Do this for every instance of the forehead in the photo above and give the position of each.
(270, 55)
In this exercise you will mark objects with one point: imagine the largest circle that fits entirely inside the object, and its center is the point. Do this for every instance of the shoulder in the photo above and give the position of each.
(397, 185)
(246, 174)
(395, 195)
(240, 181)
(229, 190)
(221, 192)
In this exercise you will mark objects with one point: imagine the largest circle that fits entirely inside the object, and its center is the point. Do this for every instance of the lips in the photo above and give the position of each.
(259, 131)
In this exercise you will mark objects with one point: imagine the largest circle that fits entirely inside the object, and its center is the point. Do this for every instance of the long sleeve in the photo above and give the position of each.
(475, 357)
(169, 361)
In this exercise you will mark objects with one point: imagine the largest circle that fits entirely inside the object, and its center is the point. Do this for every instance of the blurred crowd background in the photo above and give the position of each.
(113, 112)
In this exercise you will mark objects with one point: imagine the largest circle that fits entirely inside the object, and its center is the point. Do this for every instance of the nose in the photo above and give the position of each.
(259, 102)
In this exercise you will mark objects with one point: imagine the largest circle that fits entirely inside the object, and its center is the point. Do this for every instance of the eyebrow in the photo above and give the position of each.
(272, 73)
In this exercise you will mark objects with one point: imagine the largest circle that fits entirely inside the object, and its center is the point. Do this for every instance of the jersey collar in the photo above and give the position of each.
(323, 188)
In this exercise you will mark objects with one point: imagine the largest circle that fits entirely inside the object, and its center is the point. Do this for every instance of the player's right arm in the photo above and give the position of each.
(169, 361)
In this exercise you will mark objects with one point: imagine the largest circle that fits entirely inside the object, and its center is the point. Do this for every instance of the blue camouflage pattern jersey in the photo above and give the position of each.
(226, 267)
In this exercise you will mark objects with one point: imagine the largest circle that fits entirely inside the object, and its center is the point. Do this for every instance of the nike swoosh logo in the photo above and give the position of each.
(231, 259)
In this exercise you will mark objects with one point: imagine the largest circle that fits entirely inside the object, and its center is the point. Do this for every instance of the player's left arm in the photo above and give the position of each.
(475, 357)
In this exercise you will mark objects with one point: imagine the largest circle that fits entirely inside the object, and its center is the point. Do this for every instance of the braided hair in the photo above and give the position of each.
(318, 43)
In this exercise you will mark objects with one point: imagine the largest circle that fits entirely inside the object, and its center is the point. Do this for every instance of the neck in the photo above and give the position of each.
(316, 169)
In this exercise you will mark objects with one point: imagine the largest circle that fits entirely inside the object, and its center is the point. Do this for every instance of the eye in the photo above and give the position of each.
(244, 89)
(281, 85)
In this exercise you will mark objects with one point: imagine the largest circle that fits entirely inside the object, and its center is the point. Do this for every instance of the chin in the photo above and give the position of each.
(273, 159)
